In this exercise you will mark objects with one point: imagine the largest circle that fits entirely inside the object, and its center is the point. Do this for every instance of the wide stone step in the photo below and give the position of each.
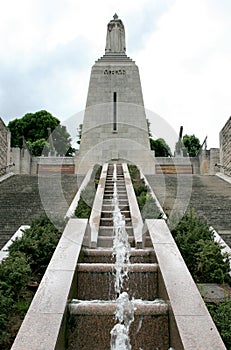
(20, 200)
(90, 324)
(96, 281)
(210, 197)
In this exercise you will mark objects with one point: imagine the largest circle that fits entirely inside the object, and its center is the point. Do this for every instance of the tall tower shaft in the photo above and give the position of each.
(115, 125)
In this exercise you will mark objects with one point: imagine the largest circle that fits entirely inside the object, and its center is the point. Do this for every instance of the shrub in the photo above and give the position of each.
(15, 272)
(28, 259)
(201, 254)
(221, 314)
(38, 244)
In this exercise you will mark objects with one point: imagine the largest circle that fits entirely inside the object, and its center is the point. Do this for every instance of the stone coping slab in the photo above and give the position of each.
(105, 267)
(18, 234)
(224, 246)
(71, 210)
(224, 177)
(194, 323)
(97, 307)
(137, 222)
(164, 216)
(94, 221)
(6, 176)
(109, 251)
(41, 326)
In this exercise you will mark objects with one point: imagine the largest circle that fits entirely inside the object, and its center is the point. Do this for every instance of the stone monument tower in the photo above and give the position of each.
(115, 125)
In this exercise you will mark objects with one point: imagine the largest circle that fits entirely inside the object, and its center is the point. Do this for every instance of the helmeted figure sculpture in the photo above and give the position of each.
(115, 42)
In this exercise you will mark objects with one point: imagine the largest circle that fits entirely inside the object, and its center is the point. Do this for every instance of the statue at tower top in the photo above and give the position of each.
(115, 42)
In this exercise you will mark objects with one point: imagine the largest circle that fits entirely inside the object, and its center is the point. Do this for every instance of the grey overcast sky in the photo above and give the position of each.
(182, 49)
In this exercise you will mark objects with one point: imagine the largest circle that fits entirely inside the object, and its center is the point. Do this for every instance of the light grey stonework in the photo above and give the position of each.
(4, 145)
(115, 126)
(225, 148)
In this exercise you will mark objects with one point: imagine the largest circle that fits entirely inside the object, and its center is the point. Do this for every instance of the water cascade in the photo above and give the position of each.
(121, 251)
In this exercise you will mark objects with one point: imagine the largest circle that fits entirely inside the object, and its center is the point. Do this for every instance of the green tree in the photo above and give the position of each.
(160, 147)
(192, 144)
(34, 128)
(38, 147)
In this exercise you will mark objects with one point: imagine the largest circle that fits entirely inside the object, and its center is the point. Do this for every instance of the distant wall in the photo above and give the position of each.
(177, 165)
(225, 148)
(4, 146)
(208, 160)
(204, 164)
(53, 165)
(22, 160)
(25, 163)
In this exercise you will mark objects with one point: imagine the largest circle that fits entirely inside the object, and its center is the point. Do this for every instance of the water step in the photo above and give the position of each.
(91, 322)
(110, 196)
(109, 221)
(109, 231)
(96, 281)
(109, 214)
(102, 255)
(107, 241)
(110, 207)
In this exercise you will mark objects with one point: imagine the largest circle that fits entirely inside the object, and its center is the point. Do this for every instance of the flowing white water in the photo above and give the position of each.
(121, 250)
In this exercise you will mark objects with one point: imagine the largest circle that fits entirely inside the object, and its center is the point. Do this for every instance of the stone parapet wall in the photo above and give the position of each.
(177, 165)
(53, 165)
(25, 163)
(225, 146)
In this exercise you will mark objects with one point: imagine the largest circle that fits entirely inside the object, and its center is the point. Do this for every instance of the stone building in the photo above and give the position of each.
(4, 147)
(225, 148)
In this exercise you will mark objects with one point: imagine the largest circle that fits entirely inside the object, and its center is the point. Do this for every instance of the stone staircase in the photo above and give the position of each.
(21, 201)
(92, 311)
(209, 196)
(169, 310)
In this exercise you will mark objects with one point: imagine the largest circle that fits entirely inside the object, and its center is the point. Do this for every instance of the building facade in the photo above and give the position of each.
(225, 148)
(4, 147)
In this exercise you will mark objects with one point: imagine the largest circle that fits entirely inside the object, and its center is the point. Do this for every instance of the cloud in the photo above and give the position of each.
(185, 71)
(182, 48)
